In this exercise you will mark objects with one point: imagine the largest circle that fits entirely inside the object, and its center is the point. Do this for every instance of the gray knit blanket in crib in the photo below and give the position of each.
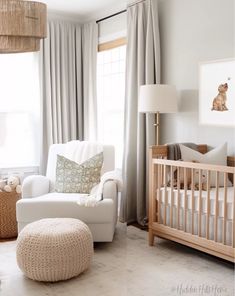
(174, 152)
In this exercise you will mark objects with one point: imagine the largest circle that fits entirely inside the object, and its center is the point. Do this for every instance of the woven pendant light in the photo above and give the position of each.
(22, 25)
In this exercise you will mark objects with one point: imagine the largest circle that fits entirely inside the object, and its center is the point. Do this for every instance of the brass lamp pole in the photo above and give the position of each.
(157, 128)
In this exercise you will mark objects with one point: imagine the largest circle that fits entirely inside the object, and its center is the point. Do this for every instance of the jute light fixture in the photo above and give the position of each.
(22, 25)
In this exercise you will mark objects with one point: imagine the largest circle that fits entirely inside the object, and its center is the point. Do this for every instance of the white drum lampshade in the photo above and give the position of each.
(157, 98)
(22, 25)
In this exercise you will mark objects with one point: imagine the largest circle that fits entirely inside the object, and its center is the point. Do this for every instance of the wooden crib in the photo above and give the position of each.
(201, 218)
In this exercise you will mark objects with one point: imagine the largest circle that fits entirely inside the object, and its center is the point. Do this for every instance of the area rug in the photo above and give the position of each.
(126, 267)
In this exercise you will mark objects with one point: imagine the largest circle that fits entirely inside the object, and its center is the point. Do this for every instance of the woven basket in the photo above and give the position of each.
(8, 225)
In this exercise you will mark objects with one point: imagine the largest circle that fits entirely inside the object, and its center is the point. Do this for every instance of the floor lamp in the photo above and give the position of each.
(157, 98)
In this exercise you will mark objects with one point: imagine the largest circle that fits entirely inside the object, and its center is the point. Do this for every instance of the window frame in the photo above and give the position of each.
(112, 44)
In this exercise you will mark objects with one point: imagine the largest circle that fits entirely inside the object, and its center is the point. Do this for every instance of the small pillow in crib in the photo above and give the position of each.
(217, 156)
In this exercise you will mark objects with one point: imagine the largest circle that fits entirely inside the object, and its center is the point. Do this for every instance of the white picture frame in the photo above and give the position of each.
(217, 93)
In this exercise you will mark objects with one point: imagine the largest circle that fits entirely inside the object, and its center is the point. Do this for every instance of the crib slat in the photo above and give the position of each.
(216, 206)
(185, 199)
(165, 194)
(225, 208)
(159, 192)
(208, 204)
(200, 204)
(178, 197)
(172, 198)
(192, 197)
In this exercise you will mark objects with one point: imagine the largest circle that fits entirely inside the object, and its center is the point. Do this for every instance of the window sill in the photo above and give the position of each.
(22, 171)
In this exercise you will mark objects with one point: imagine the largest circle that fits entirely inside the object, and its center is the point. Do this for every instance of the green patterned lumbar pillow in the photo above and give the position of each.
(72, 177)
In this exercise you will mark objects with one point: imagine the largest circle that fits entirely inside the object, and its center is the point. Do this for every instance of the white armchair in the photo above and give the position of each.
(39, 199)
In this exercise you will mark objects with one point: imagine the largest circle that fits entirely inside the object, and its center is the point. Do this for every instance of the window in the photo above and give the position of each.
(111, 93)
(19, 110)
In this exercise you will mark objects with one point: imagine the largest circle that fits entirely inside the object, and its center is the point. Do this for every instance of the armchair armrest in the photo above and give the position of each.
(110, 190)
(115, 176)
(109, 186)
(34, 186)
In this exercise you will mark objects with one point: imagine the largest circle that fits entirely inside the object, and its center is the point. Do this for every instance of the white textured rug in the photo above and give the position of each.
(128, 266)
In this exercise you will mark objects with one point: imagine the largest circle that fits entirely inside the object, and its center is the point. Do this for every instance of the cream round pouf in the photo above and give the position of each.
(56, 249)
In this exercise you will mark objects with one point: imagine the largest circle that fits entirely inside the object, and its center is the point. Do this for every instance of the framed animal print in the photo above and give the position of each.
(217, 93)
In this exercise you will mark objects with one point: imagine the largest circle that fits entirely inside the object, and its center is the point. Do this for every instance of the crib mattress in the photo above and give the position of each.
(195, 215)
(189, 195)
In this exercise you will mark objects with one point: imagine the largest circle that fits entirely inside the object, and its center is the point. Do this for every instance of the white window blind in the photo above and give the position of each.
(19, 110)
(111, 93)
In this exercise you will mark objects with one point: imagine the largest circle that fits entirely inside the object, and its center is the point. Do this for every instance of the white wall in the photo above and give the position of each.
(192, 31)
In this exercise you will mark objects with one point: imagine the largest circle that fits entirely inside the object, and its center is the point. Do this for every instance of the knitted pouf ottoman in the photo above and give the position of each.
(57, 249)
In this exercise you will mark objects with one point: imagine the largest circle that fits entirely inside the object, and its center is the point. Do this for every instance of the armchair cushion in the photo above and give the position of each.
(72, 177)
(54, 205)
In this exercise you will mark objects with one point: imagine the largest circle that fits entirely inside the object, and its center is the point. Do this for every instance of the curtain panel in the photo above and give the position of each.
(68, 87)
(143, 67)
(89, 58)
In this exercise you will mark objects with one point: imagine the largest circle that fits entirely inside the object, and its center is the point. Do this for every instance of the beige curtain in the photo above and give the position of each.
(89, 45)
(143, 67)
(68, 87)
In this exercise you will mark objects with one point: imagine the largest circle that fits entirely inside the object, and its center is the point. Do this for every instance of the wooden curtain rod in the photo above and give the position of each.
(117, 13)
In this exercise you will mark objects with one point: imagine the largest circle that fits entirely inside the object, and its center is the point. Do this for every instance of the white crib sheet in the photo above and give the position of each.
(230, 201)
